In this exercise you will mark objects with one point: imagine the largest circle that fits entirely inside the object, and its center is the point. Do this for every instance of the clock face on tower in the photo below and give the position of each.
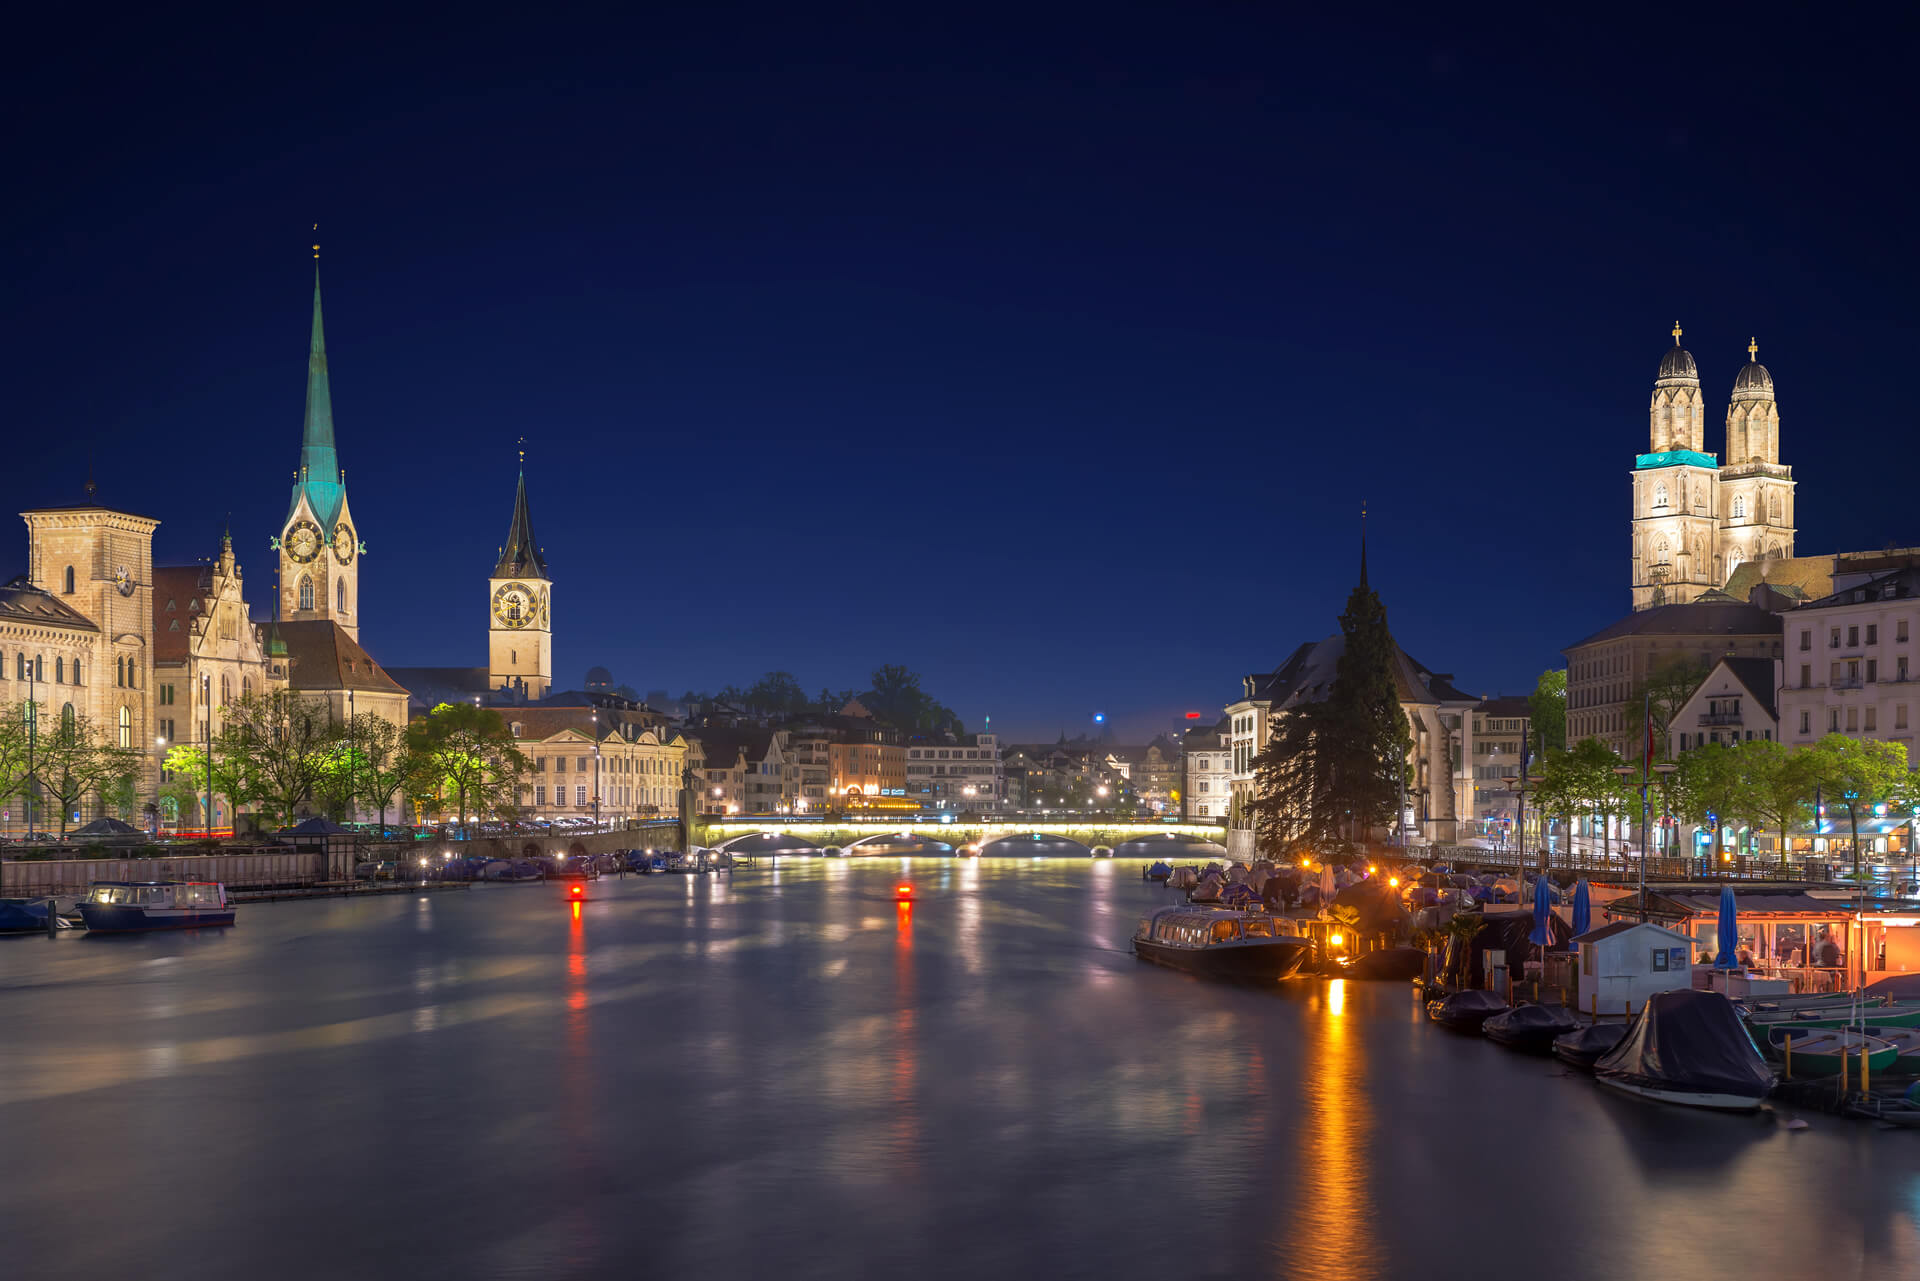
(513, 605)
(123, 580)
(543, 608)
(343, 543)
(303, 541)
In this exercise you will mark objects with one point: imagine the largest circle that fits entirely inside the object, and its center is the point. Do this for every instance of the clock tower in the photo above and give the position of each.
(319, 544)
(519, 624)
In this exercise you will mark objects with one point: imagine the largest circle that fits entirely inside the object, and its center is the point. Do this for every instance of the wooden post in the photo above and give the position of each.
(1865, 1087)
(1843, 1069)
(1789, 1056)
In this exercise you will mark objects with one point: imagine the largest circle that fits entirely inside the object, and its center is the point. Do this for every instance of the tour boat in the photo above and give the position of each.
(122, 907)
(1818, 1051)
(1689, 1048)
(1530, 1028)
(1222, 945)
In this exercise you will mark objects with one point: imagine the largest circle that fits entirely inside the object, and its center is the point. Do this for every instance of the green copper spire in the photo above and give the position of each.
(319, 476)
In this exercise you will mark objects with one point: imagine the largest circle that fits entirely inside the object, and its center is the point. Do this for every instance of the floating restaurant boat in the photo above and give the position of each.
(1466, 1011)
(1222, 945)
(1817, 1052)
(1586, 1046)
(1689, 1048)
(124, 907)
(1530, 1028)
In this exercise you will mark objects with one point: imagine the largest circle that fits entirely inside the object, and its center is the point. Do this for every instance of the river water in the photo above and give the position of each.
(784, 1073)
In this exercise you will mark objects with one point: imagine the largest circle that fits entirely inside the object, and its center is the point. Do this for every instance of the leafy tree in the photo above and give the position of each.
(1779, 785)
(1581, 780)
(1662, 695)
(1711, 780)
(187, 783)
(1547, 710)
(1294, 798)
(467, 753)
(71, 762)
(775, 694)
(276, 748)
(385, 762)
(1859, 774)
(14, 751)
(904, 705)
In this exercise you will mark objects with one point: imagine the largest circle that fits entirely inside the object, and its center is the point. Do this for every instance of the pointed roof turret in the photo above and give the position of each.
(521, 557)
(319, 477)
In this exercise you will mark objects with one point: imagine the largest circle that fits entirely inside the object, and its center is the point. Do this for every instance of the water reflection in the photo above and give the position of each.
(1333, 1201)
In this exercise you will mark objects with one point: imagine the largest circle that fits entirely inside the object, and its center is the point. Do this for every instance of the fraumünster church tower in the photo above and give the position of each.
(319, 546)
(1696, 519)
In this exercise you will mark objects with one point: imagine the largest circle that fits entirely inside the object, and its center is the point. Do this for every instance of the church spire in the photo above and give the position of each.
(521, 557)
(317, 455)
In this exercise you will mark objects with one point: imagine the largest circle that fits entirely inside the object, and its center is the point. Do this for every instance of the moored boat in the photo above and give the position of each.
(124, 907)
(1689, 1048)
(1818, 1051)
(1905, 1014)
(1465, 1011)
(1905, 1040)
(1585, 1047)
(1530, 1028)
(1223, 945)
(1157, 872)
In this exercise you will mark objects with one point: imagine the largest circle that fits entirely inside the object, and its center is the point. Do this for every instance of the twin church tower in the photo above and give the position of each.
(1697, 519)
(320, 550)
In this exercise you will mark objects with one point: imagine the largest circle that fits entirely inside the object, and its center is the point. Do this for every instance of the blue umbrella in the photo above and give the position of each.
(1729, 937)
(1582, 911)
(1542, 909)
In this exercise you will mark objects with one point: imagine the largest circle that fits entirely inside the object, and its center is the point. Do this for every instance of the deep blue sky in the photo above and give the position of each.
(1048, 351)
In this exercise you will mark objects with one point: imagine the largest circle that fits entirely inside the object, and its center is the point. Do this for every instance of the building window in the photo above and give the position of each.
(580, 796)
(126, 728)
(76, 671)
(1833, 638)
(69, 580)
(1873, 670)
(1853, 637)
(1873, 719)
(1806, 639)
(1806, 675)
(59, 671)
(540, 794)
(1833, 720)
(1853, 720)
(306, 592)
(1739, 506)
(1660, 497)
(340, 595)
(1900, 629)
(1873, 633)
(559, 764)
(1899, 715)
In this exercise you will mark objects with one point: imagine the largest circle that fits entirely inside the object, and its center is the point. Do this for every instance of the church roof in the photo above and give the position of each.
(1678, 363)
(1307, 677)
(1807, 576)
(324, 657)
(22, 602)
(521, 557)
(319, 476)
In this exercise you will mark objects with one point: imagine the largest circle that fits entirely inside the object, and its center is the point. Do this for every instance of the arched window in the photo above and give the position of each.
(126, 728)
(119, 671)
(226, 690)
(76, 671)
(340, 595)
(1733, 562)
(1773, 508)
(1659, 494)
(1739, 506)
(59, 671)
(69, 580)
(66, 718)
(1662, 554)
(306, 592)
(246, 686)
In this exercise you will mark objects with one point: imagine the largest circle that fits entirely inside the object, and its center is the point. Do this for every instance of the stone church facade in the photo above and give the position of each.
(1697, 519)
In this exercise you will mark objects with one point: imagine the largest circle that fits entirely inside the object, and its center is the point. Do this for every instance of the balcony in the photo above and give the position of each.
(1846, 682)
(1721, 718)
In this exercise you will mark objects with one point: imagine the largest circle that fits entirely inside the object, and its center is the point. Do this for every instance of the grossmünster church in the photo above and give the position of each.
(1697, 517)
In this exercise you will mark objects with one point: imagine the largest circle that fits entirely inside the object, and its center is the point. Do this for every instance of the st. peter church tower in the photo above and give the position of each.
(319, 546)
(519, 618)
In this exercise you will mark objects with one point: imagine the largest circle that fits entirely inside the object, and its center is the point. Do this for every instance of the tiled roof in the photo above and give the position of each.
(22, 602)
(175, 588)
(324, 657)
(1810, 576)
(1757, 675)
(1505, 705)
(1308, 674)
(1725, 618)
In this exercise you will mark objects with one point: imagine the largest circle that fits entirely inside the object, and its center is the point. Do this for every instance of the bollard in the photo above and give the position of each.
(53, 926)
(1865, 1088)
(1596, 1007)
(1789, 1056)
(1843, 1071)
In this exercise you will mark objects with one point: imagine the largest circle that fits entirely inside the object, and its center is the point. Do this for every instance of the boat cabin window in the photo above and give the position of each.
(200, 895)
(110, 894)
(1224, 931)
(1256, 929)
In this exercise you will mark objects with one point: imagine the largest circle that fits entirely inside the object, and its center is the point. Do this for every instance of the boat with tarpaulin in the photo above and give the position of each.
(1690, 1048)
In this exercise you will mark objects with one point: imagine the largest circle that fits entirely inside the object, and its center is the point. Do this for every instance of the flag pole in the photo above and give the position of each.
(1646, 784)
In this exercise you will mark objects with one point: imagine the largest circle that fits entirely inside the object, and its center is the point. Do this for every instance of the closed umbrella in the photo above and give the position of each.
(1327, 888)
(1729, 935)
(1542, 909)
(1582, 911)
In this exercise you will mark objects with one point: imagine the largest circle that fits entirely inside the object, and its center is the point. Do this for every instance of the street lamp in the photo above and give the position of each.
(1518, 786)
(1851, 796)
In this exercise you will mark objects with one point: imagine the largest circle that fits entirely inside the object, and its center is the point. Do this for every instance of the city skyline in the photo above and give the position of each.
(1119, 427)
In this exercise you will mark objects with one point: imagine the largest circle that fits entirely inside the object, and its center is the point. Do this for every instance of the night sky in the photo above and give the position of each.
(1049, 351)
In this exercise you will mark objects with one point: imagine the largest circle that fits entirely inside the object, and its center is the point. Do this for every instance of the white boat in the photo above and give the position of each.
(124, 907)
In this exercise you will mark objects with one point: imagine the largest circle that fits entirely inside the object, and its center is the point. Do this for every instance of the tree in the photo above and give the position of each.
(185, 775)
(1547, 709)
(775, 694)
(1662, 695)
(468, 753)
(1779, 785)
(1294, 797)
(14, 751)
(1859, 774)
(1582, 779)
(72, 762)
(1711, 780)
(384, 762)
(904, 705)
(275, 748)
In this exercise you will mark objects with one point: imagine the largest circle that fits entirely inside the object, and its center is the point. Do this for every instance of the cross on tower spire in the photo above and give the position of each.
(1676, 333)
(1753, 351)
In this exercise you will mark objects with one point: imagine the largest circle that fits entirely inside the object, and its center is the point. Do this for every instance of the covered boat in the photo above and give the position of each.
(125, 907)
(1690, 1048)
(1586, 1046)
(1530, 1028)
(1158, 871)
(1466, 1011)
(1399, 963)
(28, 916)
(1222, 945)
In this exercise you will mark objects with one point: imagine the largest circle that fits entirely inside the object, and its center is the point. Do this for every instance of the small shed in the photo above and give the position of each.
(1623, 964)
